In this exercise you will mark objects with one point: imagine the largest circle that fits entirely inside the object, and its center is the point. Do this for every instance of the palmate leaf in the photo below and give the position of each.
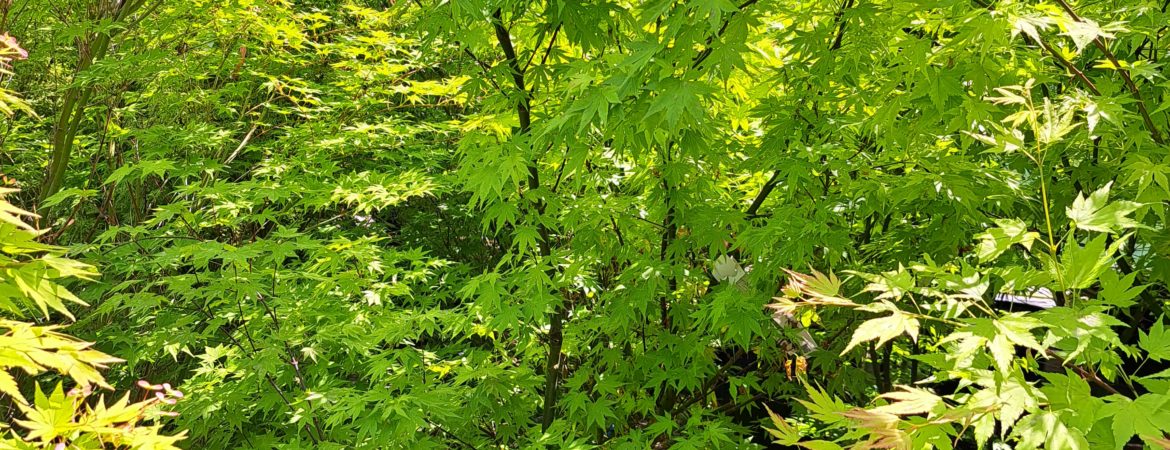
(1118, 290)
(995, 241)
(908, 400)
(12, 215)
(1030, 25)
(786, 434)
(890, 285)
(1151, 71)
(9, 387)
(595, 103)
(1097, 213)
(1083, 32)
(629, 181)
(1071, 396)
(815, 285)
(882, 428)
(1004, 399)
(30, 269)
(996, 336)
(1048, 429)
(678, 102)
(35, 349)
(1089, 327)
(1145, 416)
(1081, 266)
(61, 416)
(824, 406)
(43, 293)
(883, 329)
(1109, 109)
(1156, 342)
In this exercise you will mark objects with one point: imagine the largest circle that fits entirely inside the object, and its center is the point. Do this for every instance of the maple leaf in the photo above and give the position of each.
(1097, 213)
(1147, 416)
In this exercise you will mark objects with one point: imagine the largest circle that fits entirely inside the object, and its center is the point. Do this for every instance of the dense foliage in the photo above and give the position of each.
(586, 223)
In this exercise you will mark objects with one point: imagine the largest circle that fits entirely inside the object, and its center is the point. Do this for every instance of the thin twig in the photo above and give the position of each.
(243, 143)
(1071, 67)
(487, 70)
(452, 435)
(547, 50)
(703, 55)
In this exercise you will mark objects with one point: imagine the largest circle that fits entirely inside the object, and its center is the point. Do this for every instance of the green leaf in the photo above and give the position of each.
(996, 241)
(1097, 213)
(1118, 291)
(1080, 266)
(1070, 394)
(997, 336)
(1147, 416)
(595, 103)
(1156, 342)
(1083, 32)
(1030, 25)
(1047, 429)
(824, 406)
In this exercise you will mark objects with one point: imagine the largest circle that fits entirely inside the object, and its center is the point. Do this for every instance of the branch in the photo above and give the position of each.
(839, 18)
(705, 390)
(1133, 89)
(560, 313)
(505, 40)
(1071, 67)
(702, 56)
(486, 69)
(1153, 52)
(547, 50)
(772, 182)
(243, 143)
(763, 194)
(523, 106)
(452, 435)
